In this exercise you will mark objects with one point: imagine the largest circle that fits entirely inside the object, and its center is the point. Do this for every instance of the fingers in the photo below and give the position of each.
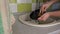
(43, 9)
(41, 18)
(44, 17)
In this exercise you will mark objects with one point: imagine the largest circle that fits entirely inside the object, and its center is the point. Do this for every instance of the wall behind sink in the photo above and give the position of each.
(22, 5)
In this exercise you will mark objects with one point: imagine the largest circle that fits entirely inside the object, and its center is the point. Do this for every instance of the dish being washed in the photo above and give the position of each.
(35, 14)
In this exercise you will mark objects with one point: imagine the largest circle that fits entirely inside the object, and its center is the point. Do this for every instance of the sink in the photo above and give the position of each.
(24, 18)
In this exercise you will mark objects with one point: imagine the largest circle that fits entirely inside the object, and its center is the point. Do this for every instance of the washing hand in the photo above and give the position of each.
(45, 16)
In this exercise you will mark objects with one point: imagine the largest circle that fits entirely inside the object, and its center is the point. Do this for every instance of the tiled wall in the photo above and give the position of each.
(22, 5)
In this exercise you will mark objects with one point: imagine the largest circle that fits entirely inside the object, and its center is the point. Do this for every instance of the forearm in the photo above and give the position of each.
(54, 0)
(51, 2)
(55, 14)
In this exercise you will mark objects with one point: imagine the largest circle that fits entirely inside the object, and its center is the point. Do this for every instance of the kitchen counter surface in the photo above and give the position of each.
(20, 28)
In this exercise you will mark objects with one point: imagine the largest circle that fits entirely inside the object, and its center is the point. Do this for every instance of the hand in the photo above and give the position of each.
(47, 5)
(44, 17)
(44, 7)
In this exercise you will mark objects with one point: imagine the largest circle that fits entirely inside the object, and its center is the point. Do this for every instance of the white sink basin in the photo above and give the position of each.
(23, 18)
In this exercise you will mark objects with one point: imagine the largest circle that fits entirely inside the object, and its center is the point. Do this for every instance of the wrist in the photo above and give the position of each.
(49, 14)
(50, 2)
